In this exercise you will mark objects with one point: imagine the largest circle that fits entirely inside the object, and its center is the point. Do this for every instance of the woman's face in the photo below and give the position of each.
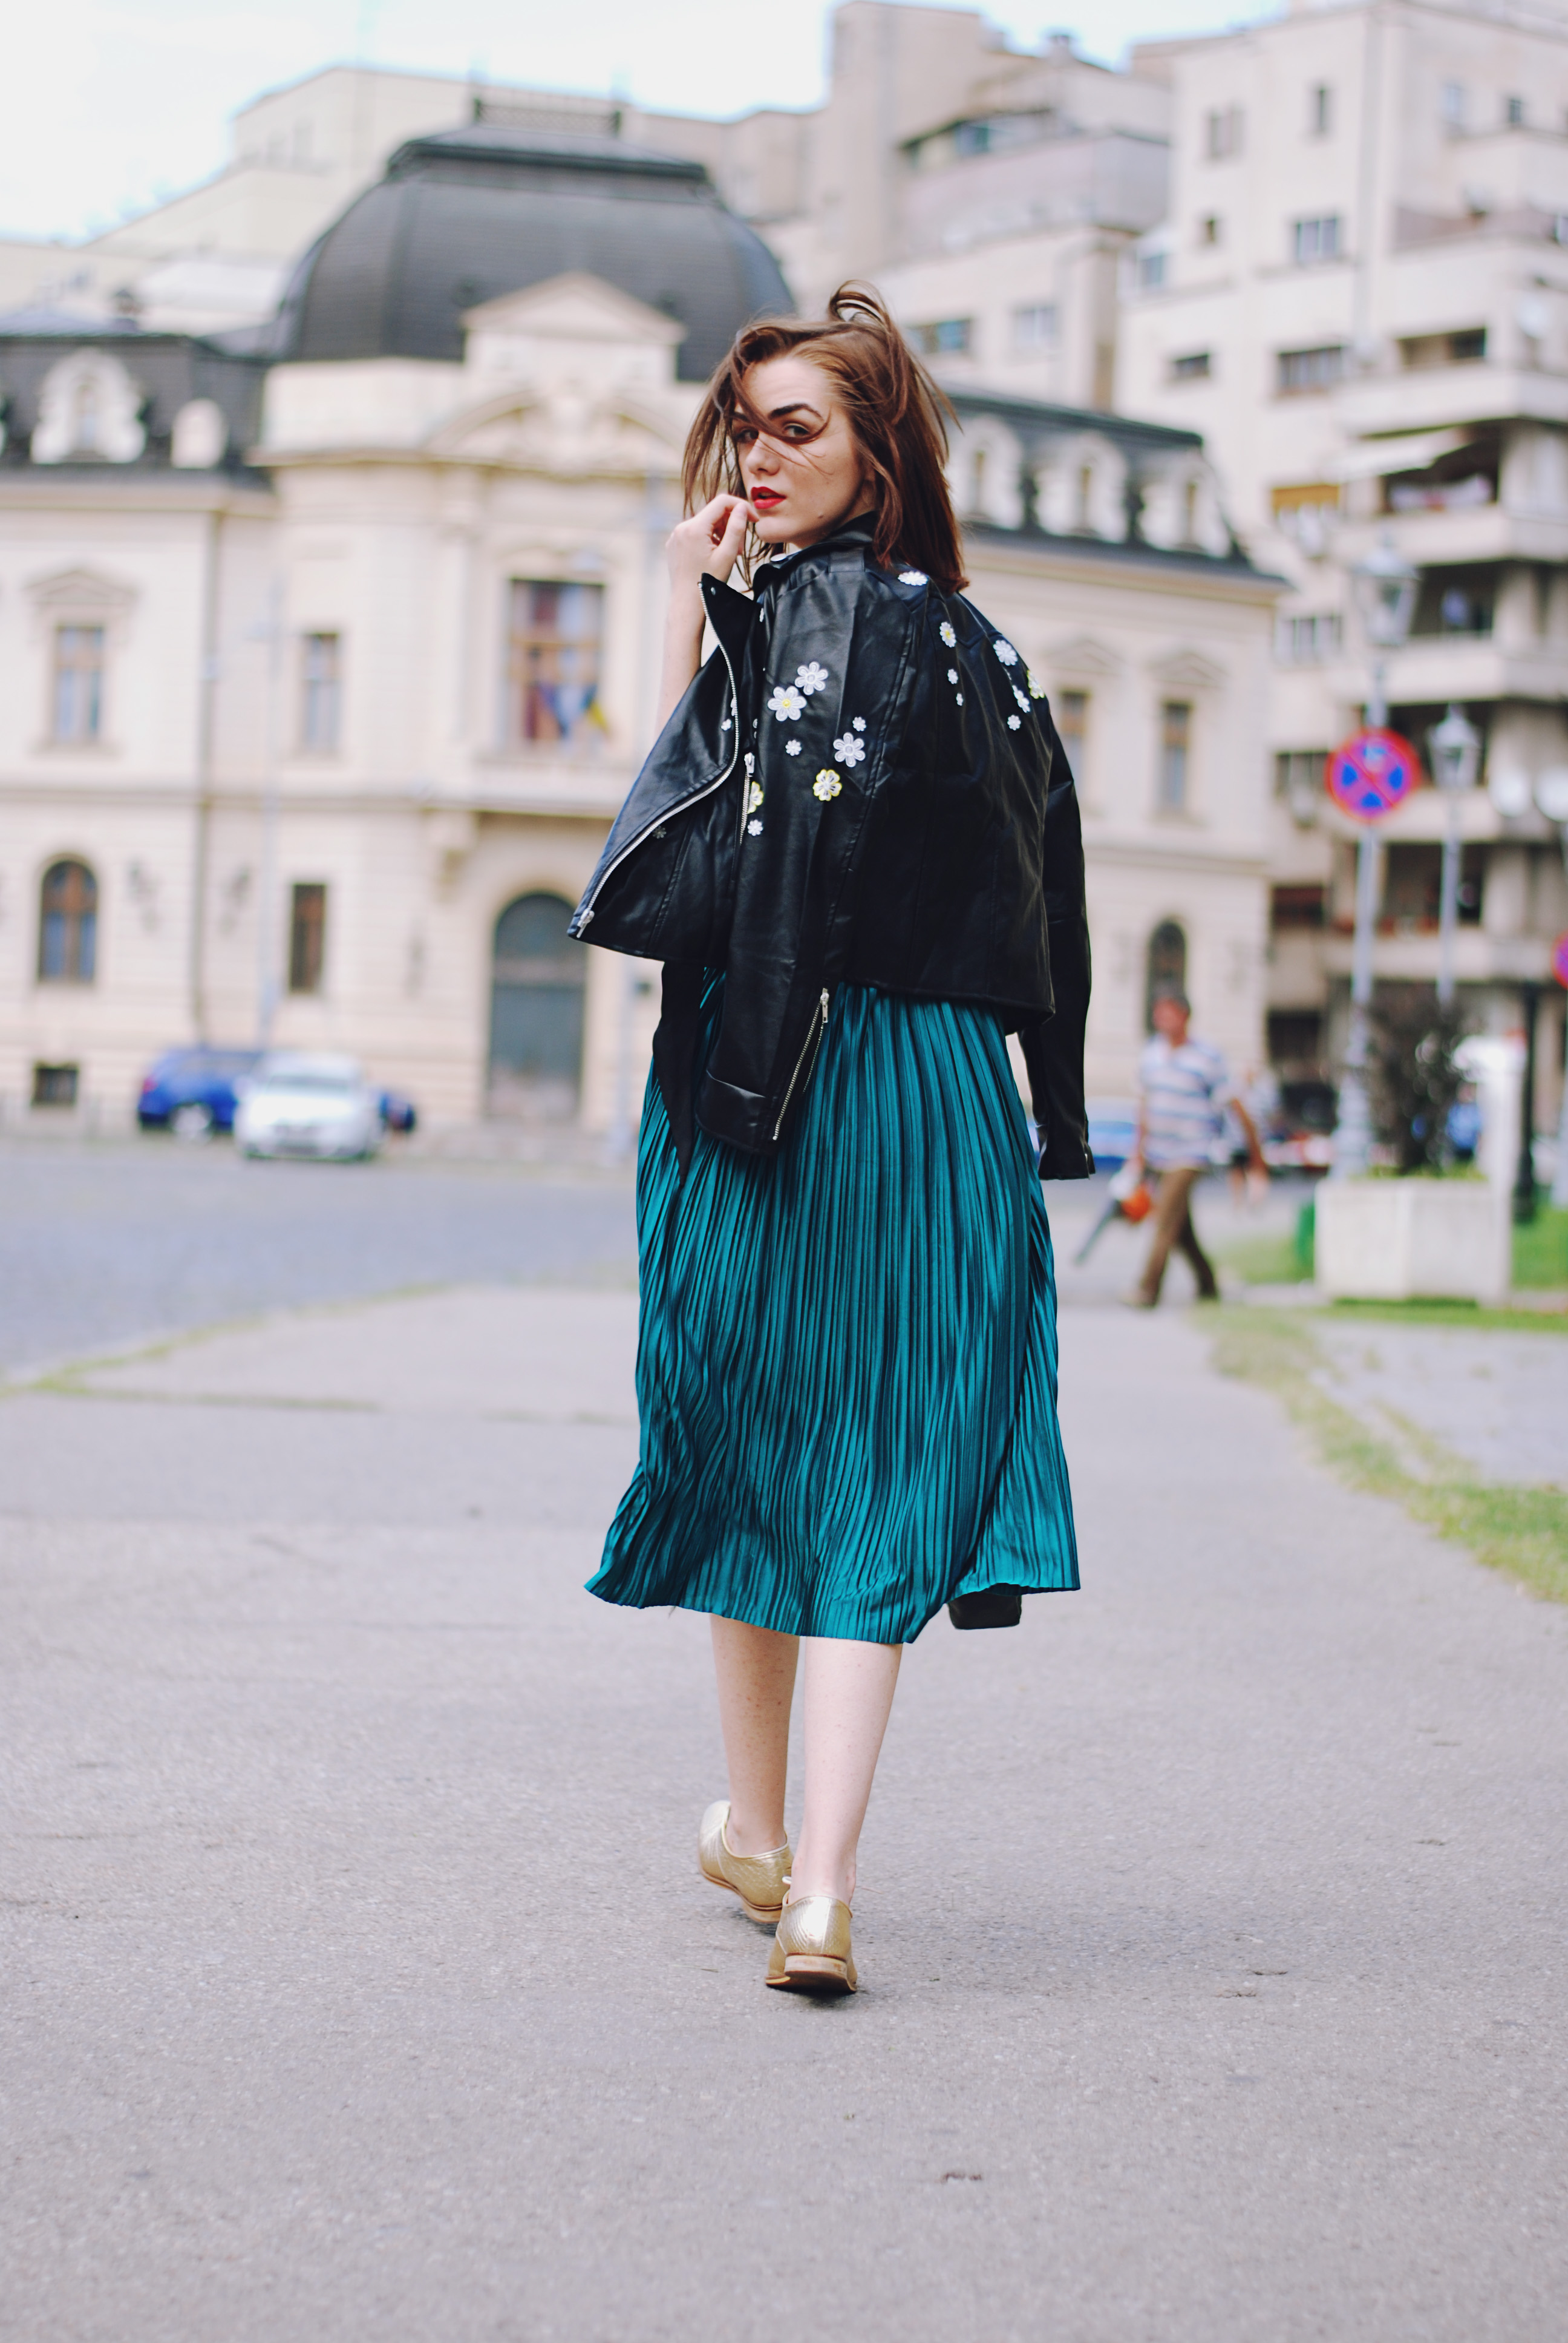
(804, 472)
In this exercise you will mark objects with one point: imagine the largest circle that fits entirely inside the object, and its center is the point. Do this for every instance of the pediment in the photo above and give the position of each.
(1082, 656)
(80, 589)
(575, 307)
(1187, 670)
(563, 431)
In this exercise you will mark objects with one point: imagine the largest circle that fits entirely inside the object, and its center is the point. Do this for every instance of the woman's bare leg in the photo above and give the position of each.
(756, 1670)
(847, 1696)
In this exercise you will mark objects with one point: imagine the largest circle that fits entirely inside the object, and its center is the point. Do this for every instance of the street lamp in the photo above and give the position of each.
(1455, 746)
(1384, 585)
(1551, 796)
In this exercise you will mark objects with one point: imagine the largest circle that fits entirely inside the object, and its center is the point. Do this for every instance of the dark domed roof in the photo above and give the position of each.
(465, 216)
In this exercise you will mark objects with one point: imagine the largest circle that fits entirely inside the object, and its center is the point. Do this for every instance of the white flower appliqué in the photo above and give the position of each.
(1021, 697)
(811, 677)
(912, 578)
(754, 830)
(858, 724)
(791, 748)
(1014, 722)
(947, 634)
(1036, 684)
(786, 703)
(1005, 652)
(958, 700)
(952, 675)
(827, 784)
(850, 750)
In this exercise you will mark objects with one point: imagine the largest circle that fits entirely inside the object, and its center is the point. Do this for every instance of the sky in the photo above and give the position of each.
(108, 106)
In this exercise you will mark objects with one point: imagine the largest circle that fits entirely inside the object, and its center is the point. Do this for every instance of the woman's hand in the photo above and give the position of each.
(707, 546)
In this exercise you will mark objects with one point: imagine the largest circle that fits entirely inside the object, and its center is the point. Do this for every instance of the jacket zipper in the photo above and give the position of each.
(696, 798)
(808, 1048)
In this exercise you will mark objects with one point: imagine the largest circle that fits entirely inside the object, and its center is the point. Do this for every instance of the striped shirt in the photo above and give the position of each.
(1185, 1091)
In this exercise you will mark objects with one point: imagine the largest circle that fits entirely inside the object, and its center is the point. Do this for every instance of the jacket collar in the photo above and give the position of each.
(849, 534)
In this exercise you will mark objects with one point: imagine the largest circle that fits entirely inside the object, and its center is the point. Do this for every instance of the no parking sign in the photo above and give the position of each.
(1560, 960)
(1371, 773)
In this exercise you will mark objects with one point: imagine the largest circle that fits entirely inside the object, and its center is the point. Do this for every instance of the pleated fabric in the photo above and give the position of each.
(846, 1365)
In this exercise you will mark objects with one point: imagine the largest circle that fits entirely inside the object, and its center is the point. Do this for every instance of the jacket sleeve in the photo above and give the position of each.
(1053, 1046)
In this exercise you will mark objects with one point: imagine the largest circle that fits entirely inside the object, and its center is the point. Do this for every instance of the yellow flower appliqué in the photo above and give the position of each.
(827, 784)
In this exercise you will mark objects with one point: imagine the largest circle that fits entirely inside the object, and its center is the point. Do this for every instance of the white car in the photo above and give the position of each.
(302, 1103)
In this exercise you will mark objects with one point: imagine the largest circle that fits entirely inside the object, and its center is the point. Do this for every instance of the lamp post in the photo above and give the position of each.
(1384, 586)
(1455, 746)
(1551, 796)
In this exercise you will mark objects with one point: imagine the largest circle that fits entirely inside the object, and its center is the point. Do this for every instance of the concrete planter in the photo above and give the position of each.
(1410, 1240)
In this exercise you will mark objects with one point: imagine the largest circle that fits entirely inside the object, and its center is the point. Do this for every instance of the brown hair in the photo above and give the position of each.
(898, 415)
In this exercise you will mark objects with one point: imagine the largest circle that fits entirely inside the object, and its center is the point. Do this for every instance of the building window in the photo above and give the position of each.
(1192, 366)
(945, 338)
(1165, 968)
(78, 699)
(1466, 347)
(1151, 271)
(55, 1085)
(1304, 370)
(68, 925)
(1072, 713)
(1320, 111)
(1306, 637)
(1451, 105)
(1315, 240)
(1211, 229)
(321, 693)
(1175, 751)
(1034, 327)
(1513, 112)
(307, 937)
(553, 664)
(1297, 907)
(1222, 132)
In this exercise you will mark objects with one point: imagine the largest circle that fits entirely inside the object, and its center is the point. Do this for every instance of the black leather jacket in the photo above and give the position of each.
(863, 786)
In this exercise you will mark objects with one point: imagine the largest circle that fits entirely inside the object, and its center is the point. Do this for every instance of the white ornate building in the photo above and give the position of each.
(327, 653)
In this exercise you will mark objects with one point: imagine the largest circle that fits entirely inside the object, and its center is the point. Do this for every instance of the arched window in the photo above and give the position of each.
(537, 976)
(68, 925)
(1166, 970)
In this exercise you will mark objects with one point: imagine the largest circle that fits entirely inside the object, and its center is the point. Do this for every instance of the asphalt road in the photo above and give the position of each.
(102, 1244)
(361, 1983)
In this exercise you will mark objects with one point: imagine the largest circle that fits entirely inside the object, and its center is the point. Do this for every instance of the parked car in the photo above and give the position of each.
(305, 1103)
(193, 1092)
(1112, 1128)
(1300, 1135)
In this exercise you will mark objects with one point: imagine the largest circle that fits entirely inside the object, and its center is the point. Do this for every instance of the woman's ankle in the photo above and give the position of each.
(744, 1835)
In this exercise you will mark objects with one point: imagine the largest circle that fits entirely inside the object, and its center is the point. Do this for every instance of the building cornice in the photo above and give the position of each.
(1032, 553)
(108, 491)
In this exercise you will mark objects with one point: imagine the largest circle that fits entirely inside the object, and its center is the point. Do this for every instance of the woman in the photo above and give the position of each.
(856, 849)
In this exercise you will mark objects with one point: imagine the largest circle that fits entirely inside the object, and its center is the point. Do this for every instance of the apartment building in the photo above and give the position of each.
(1360, 297)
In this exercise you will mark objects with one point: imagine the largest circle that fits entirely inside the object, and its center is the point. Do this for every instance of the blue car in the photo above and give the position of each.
(194, 1092)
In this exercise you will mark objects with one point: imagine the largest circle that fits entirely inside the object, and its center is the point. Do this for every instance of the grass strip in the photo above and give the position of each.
(1522, 1530)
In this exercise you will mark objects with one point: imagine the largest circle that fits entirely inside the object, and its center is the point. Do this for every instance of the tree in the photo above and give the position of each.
(1414, 1077)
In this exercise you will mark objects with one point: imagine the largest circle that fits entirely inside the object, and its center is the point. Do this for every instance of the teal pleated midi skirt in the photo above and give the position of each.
(847, 1364)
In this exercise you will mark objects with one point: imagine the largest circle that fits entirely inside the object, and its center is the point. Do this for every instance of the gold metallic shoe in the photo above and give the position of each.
(811, 1949)
(758, 1879)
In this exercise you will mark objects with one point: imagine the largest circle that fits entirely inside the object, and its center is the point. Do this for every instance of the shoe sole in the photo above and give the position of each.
(812, 1972)
(759, 1912)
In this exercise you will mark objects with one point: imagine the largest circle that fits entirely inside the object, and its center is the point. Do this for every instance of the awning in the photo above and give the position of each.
(1412, 451)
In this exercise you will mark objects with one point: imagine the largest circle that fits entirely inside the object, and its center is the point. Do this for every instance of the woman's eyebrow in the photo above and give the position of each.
(795, 407)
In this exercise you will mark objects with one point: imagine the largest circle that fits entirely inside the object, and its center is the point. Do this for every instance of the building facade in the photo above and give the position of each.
(1360, 296)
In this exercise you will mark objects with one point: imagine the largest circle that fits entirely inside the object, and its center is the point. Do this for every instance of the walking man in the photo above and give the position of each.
(1183, 1090)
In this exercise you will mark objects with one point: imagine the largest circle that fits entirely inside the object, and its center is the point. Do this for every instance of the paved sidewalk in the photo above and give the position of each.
(361, 1984)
